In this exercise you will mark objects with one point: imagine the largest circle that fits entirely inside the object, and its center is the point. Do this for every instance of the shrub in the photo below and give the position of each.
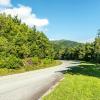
(47, 61)
(35, 60)
(11, 62)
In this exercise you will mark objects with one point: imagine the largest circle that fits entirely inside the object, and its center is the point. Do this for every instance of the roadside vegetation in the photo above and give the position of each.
(80, 83)
(29, 65)
(78, 51)
(23, 48)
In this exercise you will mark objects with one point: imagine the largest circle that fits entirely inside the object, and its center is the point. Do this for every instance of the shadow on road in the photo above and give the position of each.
(89, 70)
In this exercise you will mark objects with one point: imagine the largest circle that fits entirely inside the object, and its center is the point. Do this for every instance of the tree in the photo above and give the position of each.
(89, 51)
(97, 49)
(20, 41)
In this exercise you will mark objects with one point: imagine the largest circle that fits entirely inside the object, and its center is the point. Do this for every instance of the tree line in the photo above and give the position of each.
(18, 41)
(83, 51)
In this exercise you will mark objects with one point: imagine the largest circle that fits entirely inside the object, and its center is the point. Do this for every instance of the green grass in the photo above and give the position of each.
(80, 83)
(43, 64)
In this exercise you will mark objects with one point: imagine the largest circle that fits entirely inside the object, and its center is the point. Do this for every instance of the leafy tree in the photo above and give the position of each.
(20, 41)
(97, 49)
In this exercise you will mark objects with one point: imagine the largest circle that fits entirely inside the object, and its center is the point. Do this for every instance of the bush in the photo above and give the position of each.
(11, 62)
(35, 60)
(47, 61)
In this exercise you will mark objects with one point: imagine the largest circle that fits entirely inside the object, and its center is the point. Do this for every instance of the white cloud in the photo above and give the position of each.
(25, 14)
(6, 3)
(90, 40)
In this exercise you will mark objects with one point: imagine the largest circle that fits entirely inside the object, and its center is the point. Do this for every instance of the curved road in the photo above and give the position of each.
(31, 85)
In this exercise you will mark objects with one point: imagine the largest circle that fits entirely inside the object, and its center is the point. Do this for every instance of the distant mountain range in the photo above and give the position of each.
(65, 43)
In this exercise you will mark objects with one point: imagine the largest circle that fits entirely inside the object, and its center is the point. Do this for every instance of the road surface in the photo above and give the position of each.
(31, 85)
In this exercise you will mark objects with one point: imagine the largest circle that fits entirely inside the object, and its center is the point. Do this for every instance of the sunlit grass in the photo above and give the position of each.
(78, 85)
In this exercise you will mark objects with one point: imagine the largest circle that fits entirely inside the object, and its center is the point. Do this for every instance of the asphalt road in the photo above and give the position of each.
(31, 85)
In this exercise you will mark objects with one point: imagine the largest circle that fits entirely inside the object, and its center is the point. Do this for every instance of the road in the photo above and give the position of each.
(31, 85)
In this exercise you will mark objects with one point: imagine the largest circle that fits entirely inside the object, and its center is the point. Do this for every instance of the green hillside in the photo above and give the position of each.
(65, 43)
(61, 45)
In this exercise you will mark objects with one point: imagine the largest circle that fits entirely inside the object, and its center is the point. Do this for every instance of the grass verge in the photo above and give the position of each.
(40, 65)
(80, 83)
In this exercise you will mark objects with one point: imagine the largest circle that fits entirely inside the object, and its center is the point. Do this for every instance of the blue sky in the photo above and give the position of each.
(76, 20)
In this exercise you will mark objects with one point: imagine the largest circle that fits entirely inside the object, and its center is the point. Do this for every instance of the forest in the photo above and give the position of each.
(21, 45)
(79, 51)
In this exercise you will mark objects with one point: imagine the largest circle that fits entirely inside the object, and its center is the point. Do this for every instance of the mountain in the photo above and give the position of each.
(65, 43)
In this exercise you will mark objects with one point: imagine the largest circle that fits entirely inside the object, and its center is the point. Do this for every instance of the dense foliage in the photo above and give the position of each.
(18, 41)
(87, 51)
(60, 46)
